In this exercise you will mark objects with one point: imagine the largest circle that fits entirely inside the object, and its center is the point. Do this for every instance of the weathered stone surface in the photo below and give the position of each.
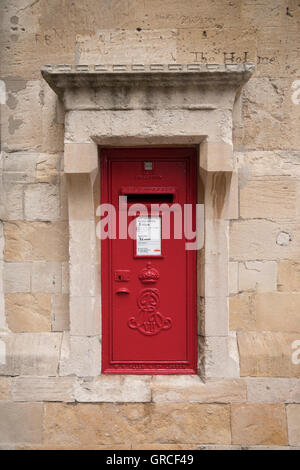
(191, 389)
(21, 422)
(60, 319)
(5, 388)
(267, 163)
(273, 390)
(271, 127)
(17, 277)
(22, 130)
(12, 201)
(258, 424)
(272, 311)
(269, 197)
(30, 389)
(28, 312)
(219, 357)
(267, 354)
(288, 276)
(258, 275)
(87, 424)
(47, 168)
(46, 277)
(233, 277)
(41, 202)
(85, 316)
(116, 389)
(80, 355)
(293, 419)
(36, 241)
(81, 158)
(248, 240)
(31, 354)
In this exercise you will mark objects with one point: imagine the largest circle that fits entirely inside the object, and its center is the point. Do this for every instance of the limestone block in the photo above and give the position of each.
(12, 201)
(17, 277)
(85, 318)
(80, 158)
(258, 424)
(293, 419)
(258, 275)
(189, 389)
(84, 279)
(114, 389)
(169, 124)
(215, 321)
(248, 240)
(273, 390)
(20, 162)
(36, 241)
(31, 354)
(80, 355)
(269, 197)
(5, 388)
(41, 202)
(28, 312)
(273, 126)
(63, 197)
(47, 168)
(80, 197)
(82, 241)
(65, 278)
(233, 196)
(29, 389)
(233, 273)
(219, 357)
(46, 277)
(278, 312)
(268, 163)
(164, 423)
(60, 319)
(216, 156)
(271, 311)
(21, 422)
(22, 130)
(267, 354)
(53, 131)
(288, 276)
(242, 312)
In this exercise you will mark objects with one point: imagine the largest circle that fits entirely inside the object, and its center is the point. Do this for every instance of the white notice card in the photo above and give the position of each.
(148, 236)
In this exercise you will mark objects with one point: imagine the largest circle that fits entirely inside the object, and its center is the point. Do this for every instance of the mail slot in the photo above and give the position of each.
(148, 275)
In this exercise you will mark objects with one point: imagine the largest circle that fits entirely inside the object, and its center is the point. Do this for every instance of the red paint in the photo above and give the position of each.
(148, 302)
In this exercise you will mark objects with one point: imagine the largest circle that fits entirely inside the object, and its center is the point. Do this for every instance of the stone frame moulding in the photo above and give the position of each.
(143, 105)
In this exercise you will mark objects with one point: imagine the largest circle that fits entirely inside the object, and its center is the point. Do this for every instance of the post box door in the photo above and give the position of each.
(148, 281)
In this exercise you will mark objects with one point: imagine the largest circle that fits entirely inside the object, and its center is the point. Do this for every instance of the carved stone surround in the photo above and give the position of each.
(143, 105)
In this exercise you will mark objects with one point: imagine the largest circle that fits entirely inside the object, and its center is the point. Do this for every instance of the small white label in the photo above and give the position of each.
(148, 236)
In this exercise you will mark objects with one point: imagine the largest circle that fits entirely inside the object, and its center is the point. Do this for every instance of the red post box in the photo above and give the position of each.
(148, 275)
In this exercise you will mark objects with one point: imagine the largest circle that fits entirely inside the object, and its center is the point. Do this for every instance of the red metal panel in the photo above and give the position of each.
(148, 302)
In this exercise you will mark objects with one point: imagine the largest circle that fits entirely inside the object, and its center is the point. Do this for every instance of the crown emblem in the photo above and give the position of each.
(149, 274)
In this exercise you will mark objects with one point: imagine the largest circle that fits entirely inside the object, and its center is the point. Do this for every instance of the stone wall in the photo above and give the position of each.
(45, 403)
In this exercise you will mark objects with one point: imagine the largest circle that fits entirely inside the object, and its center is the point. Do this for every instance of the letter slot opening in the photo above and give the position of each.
(149, 195)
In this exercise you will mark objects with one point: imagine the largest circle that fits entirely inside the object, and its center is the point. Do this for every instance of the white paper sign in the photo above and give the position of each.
(148, 236)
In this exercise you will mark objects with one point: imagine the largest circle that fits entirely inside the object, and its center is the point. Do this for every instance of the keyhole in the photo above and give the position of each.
(119, 277)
